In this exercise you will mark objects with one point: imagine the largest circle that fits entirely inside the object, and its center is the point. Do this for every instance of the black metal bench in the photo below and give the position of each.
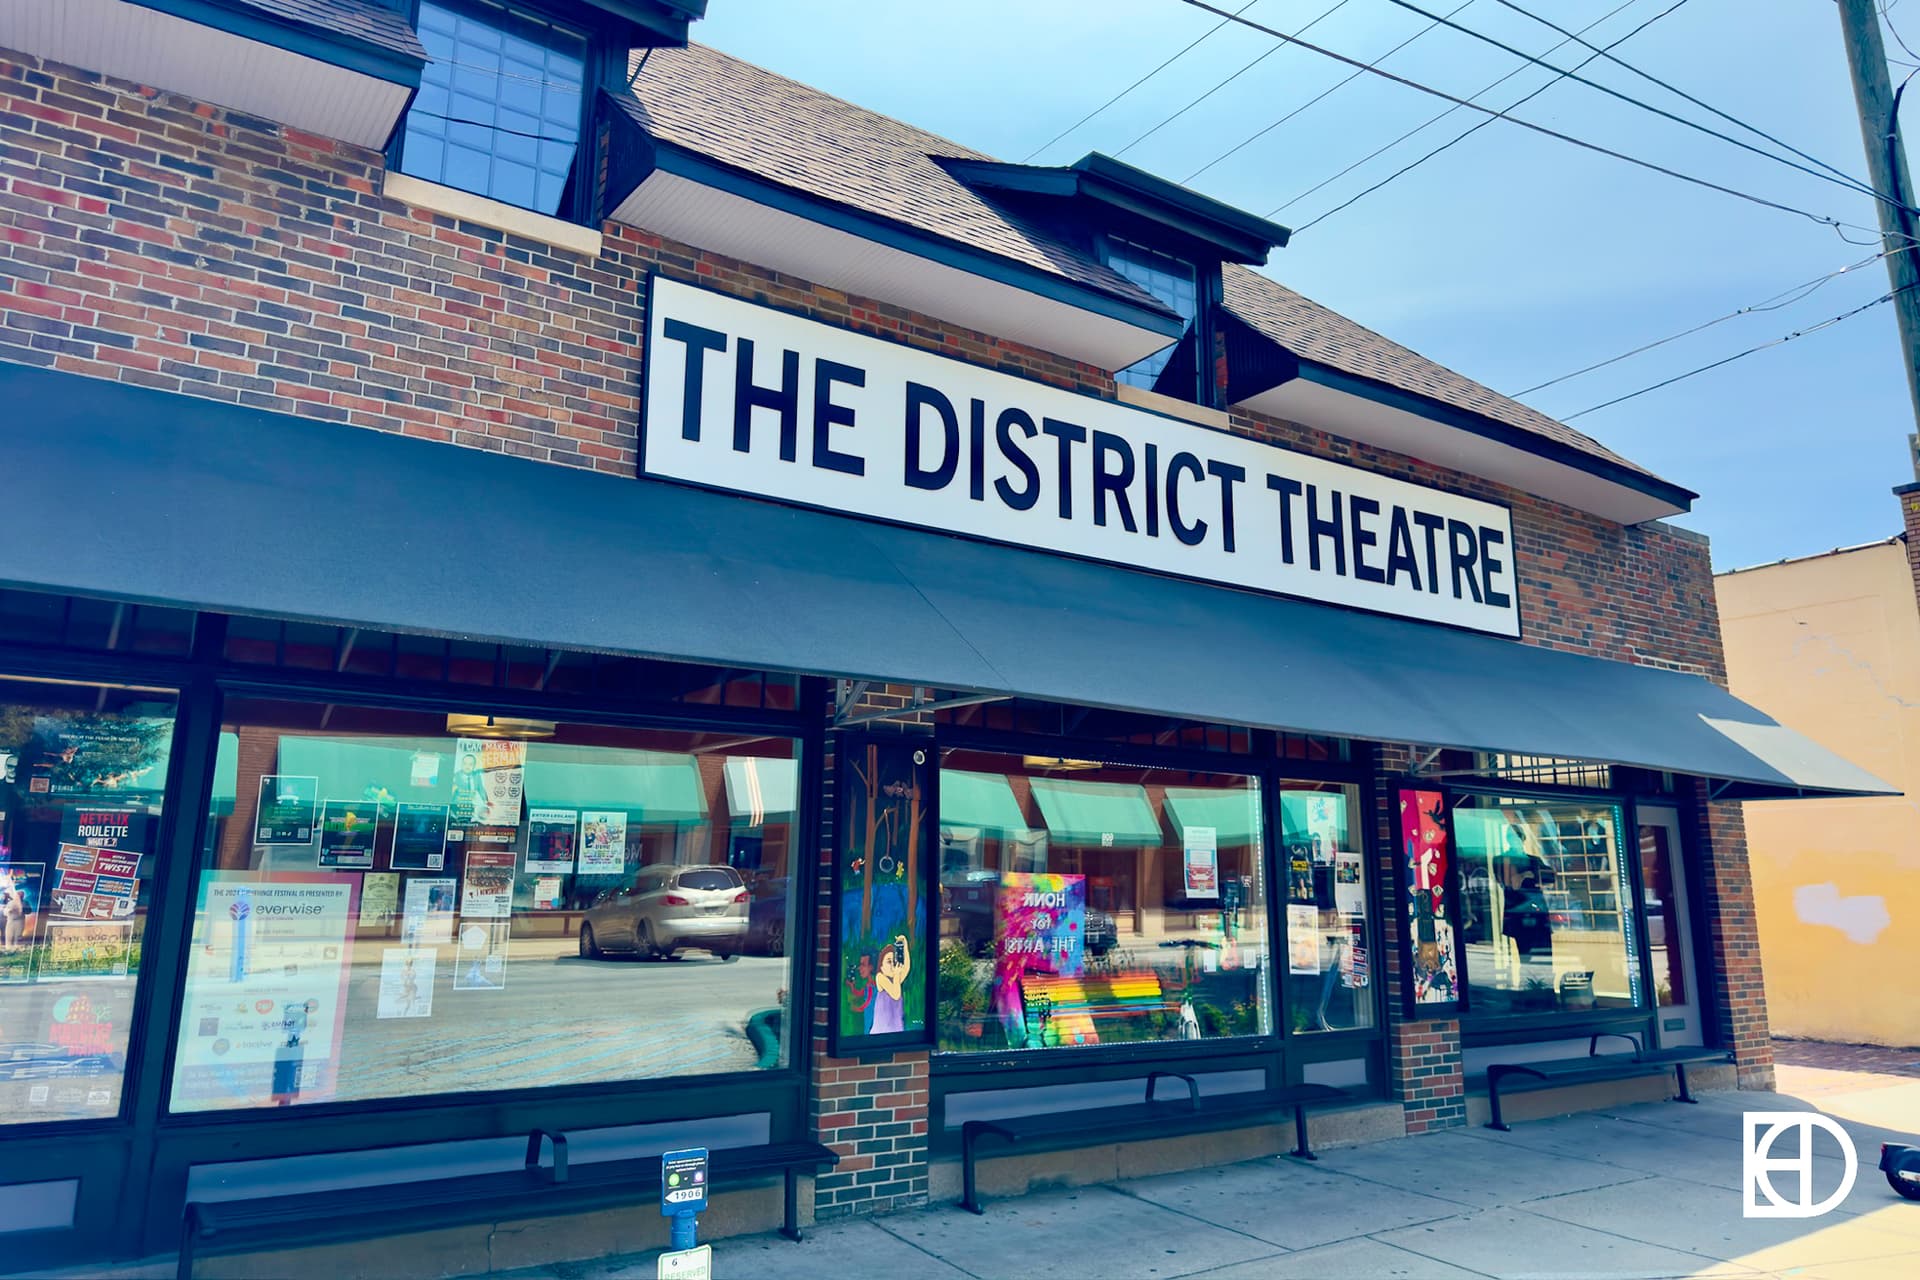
(1595, 1066)
(1157, 1118)
(357, 1213)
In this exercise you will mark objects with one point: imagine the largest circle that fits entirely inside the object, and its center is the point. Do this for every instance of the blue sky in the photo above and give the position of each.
(1512, 257)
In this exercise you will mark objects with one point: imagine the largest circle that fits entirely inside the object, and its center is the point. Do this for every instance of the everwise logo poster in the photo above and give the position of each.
(1760, 1196)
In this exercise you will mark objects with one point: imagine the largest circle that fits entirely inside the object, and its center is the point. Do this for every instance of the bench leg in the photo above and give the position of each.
(1680, 1074)
(1493, 1104)
(969, 1199)
(1300, 1147)
(792, 1228)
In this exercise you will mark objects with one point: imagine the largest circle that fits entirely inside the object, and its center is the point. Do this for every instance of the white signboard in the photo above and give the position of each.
(828, 418)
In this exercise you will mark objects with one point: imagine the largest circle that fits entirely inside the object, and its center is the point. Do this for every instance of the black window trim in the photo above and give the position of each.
(1208, 300)
(580, 204)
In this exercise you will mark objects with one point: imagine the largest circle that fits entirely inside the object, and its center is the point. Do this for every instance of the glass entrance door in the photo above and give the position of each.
(1663, 892)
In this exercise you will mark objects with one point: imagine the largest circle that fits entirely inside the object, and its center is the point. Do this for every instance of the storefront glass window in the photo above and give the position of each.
(83, 776)
(1546, 920)
(1084, 903)
(1330, 952)
(395, 904)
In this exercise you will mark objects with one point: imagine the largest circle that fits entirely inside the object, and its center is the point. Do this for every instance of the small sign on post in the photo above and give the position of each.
(687, 1264)
(683, 1182)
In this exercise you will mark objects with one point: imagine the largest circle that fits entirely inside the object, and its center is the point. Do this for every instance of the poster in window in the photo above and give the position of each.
(379, 897)
(427, 919)
(94, 884)
(486, 886)
(86, 951)
(882, 904)
(1303, 938)
(603, 843)
(346, 833)
(489, 776)
(287, 806)
(1432, 963)
(90, 755)
(1202, 849)
(480, 962)
(104, 828)
(1349, 891)
(1040, 926)
(406, 982)
(419, 837)
(266, 992)
(22, 903)
(547, 895)
(551, 837)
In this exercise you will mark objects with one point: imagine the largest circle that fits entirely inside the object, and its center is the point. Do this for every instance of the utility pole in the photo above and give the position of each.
(1887, 170)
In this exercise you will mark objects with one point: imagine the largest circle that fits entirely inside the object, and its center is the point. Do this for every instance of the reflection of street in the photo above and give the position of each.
(558, 1020)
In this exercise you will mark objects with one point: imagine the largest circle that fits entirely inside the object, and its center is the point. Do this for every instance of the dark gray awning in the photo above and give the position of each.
(159, 498)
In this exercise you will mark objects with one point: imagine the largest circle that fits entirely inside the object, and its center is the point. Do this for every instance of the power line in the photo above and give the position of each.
(1582, 143)
(1341, 4)
(1462, 137)
(1433, 120)
(1323, 94)
(1785, 298)
(1225, 18)
(1676, 90)
(1740, 355)
(1852, 184)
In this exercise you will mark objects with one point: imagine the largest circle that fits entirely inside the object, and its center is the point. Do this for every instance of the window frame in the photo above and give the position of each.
(1478, 1028)
(1207, 301)
(1279, 1052)
(582, 193)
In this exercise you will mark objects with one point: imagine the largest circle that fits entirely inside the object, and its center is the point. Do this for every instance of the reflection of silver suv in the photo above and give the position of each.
(666, 909)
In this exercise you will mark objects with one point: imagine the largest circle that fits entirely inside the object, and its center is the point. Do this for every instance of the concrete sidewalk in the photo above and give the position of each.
(1648, 1190)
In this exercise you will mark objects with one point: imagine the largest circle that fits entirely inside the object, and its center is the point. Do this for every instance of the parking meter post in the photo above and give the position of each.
(684, 1227)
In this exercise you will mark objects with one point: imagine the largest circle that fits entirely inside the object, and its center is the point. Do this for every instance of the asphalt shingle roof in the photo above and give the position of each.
(786, 132)
(1326, 337)
(367, 20)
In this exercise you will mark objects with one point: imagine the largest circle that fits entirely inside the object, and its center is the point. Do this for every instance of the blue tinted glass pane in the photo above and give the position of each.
(513, 147)
(513, 183)
(551, 185)
(425, 156)
(434, 18)
(556, 157)
(467, 168)
(431, 100)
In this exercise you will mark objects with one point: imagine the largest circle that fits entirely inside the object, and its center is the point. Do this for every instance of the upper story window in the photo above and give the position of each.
(500, 108)
(1174, 281)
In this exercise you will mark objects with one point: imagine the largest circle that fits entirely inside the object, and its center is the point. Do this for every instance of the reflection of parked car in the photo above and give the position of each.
(667, 909)
(767, 918)
(970, 896)
(49, 1061)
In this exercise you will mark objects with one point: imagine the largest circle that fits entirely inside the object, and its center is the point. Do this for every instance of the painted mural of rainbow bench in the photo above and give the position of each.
(1068, 1010)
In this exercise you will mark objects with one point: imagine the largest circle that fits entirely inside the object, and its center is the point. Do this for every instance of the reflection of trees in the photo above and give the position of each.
(95, 752)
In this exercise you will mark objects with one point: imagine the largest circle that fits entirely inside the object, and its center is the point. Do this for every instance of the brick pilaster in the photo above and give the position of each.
(1719, 836)
(1909, 495)
(873, 1109)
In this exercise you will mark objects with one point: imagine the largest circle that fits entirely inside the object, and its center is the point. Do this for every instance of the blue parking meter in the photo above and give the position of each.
(683, 1191)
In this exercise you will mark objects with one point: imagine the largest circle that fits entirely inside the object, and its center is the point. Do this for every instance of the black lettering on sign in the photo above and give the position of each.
(1194, 534)
(1068, 434)
(1490, 567)
(1432, 525)
(699, 341)
(1329, 527)
(1153, 490)
(1462, 551)
(940, 475)
(977, 450)
(1363, 537)
(1229, 475)
(1115, 482)
(1400, 557)
(827, 415)
(783, 400)
(1018, 499)
(1288, 491)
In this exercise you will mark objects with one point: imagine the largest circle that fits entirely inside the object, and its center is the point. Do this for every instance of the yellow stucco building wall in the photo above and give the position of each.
(1830, 645)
